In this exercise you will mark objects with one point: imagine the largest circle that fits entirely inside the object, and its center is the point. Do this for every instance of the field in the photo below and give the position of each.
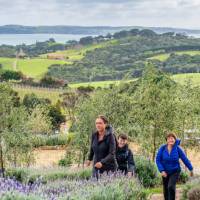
(194, 78)
(35, 67)
(52, 94)
(163, 57)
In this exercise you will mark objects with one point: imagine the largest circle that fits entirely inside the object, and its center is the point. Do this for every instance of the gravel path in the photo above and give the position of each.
(160, 196)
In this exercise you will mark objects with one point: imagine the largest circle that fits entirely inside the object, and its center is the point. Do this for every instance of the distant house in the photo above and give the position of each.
(20, 54)
(55, 56)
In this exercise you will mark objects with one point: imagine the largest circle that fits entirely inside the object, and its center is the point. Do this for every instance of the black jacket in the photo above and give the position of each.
(104, 151)
(125, 159)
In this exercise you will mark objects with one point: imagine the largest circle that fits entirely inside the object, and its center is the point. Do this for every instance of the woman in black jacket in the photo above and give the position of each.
(103, 148)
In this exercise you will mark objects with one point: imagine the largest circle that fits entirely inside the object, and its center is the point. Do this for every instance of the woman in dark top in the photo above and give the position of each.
(103, 148)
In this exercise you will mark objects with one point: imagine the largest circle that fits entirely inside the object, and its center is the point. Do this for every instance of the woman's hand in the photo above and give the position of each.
(98, 165)
(164, 174)
(191, 173)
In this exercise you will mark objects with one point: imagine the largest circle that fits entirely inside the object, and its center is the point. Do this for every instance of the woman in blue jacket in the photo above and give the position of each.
(167, 161)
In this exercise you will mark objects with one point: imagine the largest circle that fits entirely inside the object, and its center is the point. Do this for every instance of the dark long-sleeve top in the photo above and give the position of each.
(104, 151)
(125, 159)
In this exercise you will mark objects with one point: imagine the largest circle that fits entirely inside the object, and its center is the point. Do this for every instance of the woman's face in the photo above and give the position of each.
(100, 125)
(171, 140)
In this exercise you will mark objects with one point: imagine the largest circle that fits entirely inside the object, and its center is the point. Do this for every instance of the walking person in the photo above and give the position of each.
(167, 161)
(102, 148)
(124, 156)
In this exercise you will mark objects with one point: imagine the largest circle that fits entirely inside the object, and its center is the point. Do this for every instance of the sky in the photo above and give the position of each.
(155, 13)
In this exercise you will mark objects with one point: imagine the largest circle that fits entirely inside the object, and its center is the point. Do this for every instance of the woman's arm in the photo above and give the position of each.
(184, 158)
(158, 159)
(131, 163)
(91, 152)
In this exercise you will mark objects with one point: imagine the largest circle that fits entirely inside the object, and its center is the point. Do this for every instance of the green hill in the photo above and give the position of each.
(105, 58)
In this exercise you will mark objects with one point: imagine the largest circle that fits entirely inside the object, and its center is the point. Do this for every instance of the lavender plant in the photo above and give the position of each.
(108, 187)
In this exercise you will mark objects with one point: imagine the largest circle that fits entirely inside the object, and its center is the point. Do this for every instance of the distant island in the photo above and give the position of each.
(90, 30)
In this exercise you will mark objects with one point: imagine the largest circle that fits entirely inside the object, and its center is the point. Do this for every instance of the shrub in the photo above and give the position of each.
(51, 140)
(19, 196)
(109, 187)
(194, 193)
(70, 157)
(31, 175)
(184, 177)
(19, 174)
(146, 171)
(188, 188)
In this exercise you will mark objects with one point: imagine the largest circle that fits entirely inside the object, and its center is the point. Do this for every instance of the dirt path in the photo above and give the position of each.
(15, 65)
(160, 196)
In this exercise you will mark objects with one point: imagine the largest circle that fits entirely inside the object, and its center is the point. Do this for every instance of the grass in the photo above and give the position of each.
(7, 63)
(34, 67)
(165, 56)
(194, 78)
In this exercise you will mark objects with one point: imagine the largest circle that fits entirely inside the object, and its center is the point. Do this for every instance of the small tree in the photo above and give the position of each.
(38, 121)
(6, 104)
(18, 139)
(110, 103)
(154, 110)
(70, 100)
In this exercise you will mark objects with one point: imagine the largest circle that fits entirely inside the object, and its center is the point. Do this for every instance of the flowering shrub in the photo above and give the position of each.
(106, 188)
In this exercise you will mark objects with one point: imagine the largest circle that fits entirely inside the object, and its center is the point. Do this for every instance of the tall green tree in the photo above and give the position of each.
(114, 105)
(6, 104)
(154, 110)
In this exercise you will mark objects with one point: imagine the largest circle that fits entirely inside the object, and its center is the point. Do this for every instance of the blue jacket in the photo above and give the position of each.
(170, 162)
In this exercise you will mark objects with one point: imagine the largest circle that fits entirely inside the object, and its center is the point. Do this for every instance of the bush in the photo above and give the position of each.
(51, 140)
(146, 171)
(184, 177)
(19, 196)
(188, 188)
(108, 187)
(116, 189)
(194, 193)
(27, 175)
(19, 174)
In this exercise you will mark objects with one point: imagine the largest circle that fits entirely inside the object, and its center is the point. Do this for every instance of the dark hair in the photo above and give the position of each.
(104, 118)
(170, 134)
(123, 136)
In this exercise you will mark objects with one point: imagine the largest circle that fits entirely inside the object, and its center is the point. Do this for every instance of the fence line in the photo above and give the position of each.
(37, 88)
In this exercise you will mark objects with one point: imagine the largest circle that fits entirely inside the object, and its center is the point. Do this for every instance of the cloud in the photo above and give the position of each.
(174, 13)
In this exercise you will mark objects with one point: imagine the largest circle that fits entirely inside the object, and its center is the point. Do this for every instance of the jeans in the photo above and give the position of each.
(169, 186)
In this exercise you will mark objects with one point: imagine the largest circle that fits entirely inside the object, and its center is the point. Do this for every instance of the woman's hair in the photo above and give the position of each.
(104, 118)
(123, 136)
(170, 134)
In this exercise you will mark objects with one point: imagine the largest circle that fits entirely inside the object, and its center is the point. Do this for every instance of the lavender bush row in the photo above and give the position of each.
(107, 188)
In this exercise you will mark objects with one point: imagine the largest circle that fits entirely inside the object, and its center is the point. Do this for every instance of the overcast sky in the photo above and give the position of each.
(164, 13)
